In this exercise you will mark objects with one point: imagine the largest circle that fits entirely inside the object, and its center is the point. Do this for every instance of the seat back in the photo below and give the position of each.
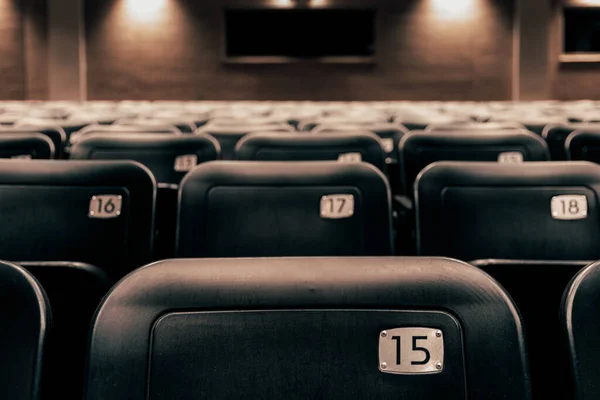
(268, 209)
(419, 149)
(532, 211)
(346, 147)
(26, 318)
(390, 135)
(74, 291)
(581, 325)
(556, 137)
(317, 328)
(27, 146)
(88, 211)
(168, 156)
(55, 134)
(583, 145)
(229, 136)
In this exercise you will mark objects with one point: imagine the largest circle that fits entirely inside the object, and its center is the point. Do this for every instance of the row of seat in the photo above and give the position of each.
(107, 213)
(310, 328)
(414, 150)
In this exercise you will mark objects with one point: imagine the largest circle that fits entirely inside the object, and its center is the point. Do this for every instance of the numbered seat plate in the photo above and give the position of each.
(350, 157)
(337, 206)
(411, 351)
(512, 157)
(569, 207)
(105, 206)
(186, 162)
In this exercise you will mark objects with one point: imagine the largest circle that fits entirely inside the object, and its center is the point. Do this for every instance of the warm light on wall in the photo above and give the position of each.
(454, 9)
(145, 10)
(283, 3)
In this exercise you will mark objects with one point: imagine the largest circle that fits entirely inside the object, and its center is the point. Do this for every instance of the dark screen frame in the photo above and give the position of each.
(565, 57)
(227, 59)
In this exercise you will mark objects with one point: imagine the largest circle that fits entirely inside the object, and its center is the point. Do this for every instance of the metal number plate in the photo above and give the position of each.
(186, 163)
(569, 207)
(105, 206)
(350, 157)
(23, 157)
(388, 145)
(337, 206)
(513, 157)
(411, 351)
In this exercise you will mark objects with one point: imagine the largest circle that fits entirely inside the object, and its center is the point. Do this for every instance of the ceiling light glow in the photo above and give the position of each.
(453, 9)
(145, 10)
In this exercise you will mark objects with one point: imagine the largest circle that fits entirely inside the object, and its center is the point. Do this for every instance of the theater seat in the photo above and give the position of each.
(531, 211)
(55, 134)
(556, 137)
(169, 157)
(269, 209)
(74, 291)
(97, 212)
(26, 146)
(317, 328)
(581, 325)
(350, 147)
(122, 129)
(25, 318)
(419, 149)
(229, 136)
(583, 145)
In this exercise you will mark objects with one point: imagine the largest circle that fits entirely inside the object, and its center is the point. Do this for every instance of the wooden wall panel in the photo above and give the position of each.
(422, 54)
(12, 61)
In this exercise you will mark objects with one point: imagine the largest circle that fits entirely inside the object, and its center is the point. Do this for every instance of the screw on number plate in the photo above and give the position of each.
(438, 365)
(438, 334)
(383, 365)
(384, 334)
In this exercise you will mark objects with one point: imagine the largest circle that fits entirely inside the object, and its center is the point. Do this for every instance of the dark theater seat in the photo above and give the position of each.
(581, 326)
(305, 147)
(316, 328)
(269, 209)
(531, 211)
(25, 319)
(97, 212)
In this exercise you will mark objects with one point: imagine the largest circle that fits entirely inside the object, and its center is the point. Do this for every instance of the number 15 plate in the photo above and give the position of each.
(411, 351)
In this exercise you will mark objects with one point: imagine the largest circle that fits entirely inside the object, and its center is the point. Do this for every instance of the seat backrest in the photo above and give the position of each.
(583, 145)
(168, 156)
(26, 318)
(540, 318)
(419, 149)
(229, 136)
(268, 209)
(556, 137)
(55, 134)
(531, 211)
(474, 126)
(345, 147)
(183, 124)
(122, 129)
(98, 212)
(74, 291)
(581, 324)
(26, 146)
(390, 135)
(317, 328)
